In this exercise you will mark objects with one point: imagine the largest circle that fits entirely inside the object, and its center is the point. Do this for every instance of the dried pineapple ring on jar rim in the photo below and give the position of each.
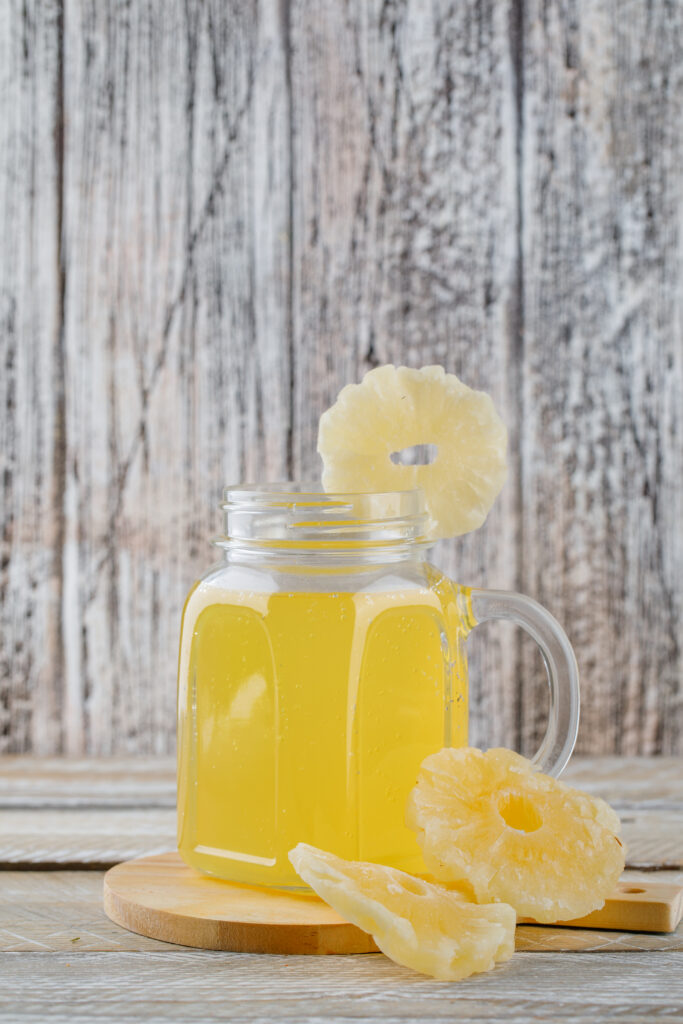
(394, 408)
(494, 822)
(415, 923)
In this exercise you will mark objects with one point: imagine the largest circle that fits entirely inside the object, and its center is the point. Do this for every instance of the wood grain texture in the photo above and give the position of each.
(176, 379)
(602, 409)
(63, 782)
(97, 812)
(50, 911)
(61, 911)
(102, 837)
(32, 390)
(84, 836)
(215, 215)
(64, 962)
(55, 782)
(403, 238)
(160, 987)
(163, 898)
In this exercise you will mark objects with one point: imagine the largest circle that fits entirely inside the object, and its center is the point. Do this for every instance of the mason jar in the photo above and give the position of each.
(321, 660)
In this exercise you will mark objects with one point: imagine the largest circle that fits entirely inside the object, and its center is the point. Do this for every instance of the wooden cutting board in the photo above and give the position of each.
(163, 898)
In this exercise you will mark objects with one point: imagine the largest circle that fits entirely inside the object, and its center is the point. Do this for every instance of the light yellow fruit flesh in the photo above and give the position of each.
(396, 408)
(492, 822)
(416, 923)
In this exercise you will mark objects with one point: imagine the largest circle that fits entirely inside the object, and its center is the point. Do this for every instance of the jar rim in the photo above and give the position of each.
(302, 514)
(311, 489)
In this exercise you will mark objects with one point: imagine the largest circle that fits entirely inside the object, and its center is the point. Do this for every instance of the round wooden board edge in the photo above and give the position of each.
(230, 936)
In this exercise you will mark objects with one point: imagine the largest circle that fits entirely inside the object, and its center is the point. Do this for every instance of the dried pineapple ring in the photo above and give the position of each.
(416, 923)
(396, 408)
(494, 822)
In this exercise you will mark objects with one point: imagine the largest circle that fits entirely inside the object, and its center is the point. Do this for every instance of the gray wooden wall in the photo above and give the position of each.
(213, 215)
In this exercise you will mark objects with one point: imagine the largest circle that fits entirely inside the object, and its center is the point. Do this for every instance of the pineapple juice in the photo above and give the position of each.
(304, 717)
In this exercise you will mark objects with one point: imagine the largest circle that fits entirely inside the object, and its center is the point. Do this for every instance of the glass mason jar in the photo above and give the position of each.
(320, 662)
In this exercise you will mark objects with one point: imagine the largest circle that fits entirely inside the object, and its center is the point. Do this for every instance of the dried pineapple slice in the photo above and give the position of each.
(416, 923)
(494, 822)
(396, 408)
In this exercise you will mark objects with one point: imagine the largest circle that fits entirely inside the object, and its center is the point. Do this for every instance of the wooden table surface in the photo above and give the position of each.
(62, 822)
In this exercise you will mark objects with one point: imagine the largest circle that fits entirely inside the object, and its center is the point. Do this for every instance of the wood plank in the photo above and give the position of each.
(200, 985)
(654, 839)
(403, 241)
(629, 782)
(602, 462)
(57, 911)
(102, 811)
(88, 782)
(48, 911)
(176, 221)
(32, 379)
(102, 837)
(77, 837)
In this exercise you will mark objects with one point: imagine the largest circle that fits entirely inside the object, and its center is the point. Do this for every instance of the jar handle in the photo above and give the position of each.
(560, 665)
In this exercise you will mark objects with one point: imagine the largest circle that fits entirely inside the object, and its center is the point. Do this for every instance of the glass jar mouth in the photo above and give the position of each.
(292, 514)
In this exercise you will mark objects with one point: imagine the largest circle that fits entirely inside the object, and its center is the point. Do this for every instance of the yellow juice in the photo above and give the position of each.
(303, 717)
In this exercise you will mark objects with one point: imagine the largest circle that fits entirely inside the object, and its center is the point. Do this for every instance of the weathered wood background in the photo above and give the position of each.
(215, 214)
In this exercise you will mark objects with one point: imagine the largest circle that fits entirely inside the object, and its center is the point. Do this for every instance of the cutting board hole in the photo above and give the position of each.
(631, 889)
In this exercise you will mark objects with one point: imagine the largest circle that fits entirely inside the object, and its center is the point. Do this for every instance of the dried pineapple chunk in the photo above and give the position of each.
(495, 823)
(396, 408)
(416, 923)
